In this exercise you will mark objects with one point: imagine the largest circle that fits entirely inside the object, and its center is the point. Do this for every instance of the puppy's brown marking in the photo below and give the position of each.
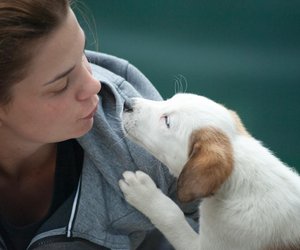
(209, 165)
(238, 123)
(286, 247)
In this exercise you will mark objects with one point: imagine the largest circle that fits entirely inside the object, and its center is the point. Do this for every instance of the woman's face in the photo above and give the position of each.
(58, 98)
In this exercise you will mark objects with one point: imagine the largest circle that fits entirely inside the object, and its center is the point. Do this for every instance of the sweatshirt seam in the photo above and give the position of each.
(103, 240)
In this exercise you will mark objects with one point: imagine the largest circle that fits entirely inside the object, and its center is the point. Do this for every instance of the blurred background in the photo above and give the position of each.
(244, 54)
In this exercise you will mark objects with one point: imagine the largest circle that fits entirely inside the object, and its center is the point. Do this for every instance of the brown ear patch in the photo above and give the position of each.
(284, 247)
(209, 165)
(239, 125)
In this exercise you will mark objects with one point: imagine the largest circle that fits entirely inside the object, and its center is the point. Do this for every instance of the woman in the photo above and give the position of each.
(58, 192)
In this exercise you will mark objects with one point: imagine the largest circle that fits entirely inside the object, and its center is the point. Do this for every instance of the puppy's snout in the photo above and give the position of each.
(128, 105)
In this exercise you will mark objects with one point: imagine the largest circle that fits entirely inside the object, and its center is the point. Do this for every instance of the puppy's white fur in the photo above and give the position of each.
(251, 200)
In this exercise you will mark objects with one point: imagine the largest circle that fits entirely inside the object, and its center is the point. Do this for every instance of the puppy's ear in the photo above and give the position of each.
(238, 123)
(209, 165)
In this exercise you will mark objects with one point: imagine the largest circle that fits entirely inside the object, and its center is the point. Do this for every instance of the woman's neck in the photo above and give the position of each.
(21, 159)
(27, 173)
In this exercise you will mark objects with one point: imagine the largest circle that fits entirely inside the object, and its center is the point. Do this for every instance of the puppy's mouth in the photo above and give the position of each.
(128, 106)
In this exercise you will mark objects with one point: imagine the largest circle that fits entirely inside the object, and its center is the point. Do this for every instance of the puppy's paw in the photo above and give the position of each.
(138, 188)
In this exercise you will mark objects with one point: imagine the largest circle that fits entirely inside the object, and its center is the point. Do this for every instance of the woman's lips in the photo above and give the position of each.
(91, 114)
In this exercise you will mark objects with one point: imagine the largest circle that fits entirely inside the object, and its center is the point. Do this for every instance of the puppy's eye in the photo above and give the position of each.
(167, 121)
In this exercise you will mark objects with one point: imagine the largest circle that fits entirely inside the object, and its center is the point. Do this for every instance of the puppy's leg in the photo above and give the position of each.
(141, 192)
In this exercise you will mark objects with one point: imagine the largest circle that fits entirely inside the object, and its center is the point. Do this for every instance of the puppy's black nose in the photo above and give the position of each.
(128, 105)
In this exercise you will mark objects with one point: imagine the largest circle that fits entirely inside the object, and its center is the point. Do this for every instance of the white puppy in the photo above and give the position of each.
(251, 200)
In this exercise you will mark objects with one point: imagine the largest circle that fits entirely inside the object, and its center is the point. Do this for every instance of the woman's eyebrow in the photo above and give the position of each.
(61, 75)
(65, 73)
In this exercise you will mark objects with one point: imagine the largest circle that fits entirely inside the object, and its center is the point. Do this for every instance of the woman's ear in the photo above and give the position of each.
(209, 165)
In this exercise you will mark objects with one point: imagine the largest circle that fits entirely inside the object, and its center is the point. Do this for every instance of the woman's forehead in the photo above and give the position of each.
(58, 51)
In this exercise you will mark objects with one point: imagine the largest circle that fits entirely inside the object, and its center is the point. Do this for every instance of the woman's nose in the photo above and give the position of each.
(90, 86)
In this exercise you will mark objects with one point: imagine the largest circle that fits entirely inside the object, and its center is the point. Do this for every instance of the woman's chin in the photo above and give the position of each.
(85, 128)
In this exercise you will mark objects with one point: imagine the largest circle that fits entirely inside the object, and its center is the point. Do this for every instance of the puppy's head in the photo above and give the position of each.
(191, 135)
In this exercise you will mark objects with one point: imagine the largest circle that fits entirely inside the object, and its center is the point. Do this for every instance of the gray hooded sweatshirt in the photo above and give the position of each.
(97, 214)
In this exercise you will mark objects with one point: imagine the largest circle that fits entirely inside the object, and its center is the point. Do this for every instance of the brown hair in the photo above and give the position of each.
(22, 23)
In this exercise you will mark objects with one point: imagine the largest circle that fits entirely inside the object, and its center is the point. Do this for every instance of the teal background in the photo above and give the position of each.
(244, 54)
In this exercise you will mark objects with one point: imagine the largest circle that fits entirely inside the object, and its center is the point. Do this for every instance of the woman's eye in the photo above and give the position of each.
(62, 89)
(167, 121)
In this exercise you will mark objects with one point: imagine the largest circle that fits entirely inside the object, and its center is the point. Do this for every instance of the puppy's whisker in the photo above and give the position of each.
(184, 80)
(176, 86)
(180, 84)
